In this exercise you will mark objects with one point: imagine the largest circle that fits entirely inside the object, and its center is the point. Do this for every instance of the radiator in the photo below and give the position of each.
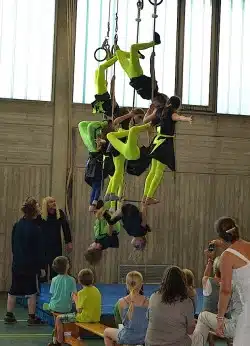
(152, 274)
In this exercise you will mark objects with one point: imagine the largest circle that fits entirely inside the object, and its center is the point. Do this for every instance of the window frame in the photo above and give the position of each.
(214, 58)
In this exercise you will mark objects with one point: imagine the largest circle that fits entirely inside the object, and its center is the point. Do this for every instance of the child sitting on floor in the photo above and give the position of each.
(106, 236)
(133, 310)
(62, 287)
(88, 304)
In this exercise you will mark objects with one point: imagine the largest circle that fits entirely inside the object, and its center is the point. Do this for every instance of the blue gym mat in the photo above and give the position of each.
(110, 294)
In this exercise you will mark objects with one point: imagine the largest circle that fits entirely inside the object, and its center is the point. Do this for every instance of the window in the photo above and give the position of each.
(234, 57)
(91, 33)
(26, 49)
(197, 45)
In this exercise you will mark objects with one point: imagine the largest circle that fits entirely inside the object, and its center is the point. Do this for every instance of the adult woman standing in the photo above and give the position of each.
(53, 220)
(234, 265)
(171, 312)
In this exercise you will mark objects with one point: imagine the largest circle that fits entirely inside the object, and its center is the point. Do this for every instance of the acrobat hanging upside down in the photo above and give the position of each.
(130, 63)
(104, 102)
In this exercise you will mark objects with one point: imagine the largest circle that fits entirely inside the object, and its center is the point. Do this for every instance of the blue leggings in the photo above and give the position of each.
(96, 191)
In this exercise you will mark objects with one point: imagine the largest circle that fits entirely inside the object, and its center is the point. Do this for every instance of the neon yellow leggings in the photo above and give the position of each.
(88, 133)
(130, 61)
(100, 78)
(154, 178)
(115, 185)
(130, 149)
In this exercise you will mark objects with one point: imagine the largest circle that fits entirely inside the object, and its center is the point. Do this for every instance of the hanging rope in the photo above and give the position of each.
(140, 6)
(71, 10)
(113, 52)
(152, 58)
(105, 45)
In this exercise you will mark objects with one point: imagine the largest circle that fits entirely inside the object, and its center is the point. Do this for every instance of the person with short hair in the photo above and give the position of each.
(88, 305)
(170, 312)
(62, 287)
(28, 261)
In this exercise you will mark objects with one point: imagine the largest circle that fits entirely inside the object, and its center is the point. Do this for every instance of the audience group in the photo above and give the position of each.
(167, 317)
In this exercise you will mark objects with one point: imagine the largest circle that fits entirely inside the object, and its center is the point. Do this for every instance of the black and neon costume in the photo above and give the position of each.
(103, 102)
(95, 171)
(101, 233)
(161, 151)
(130, 63)
(124, 147)
(131, 219)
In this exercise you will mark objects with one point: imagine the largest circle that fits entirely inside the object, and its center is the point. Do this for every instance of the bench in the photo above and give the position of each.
(73, 330)
(95, 328)
(212, 336)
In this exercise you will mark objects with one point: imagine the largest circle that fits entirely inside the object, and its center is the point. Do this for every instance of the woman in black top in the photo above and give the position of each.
(134, 223)
(162, 114)
(52, 220)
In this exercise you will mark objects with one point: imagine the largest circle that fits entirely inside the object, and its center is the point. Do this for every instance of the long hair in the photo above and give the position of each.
(134, 283)
(173, 286)
(44, 213)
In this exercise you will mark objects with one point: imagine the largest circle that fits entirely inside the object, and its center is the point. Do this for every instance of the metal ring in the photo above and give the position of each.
(155, 4)
(98, 50)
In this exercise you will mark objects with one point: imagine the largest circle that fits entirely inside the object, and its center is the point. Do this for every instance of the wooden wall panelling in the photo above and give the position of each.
(27, 144)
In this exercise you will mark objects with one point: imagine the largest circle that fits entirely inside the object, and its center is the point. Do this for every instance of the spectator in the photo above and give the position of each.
(28, 261)
(171, 312)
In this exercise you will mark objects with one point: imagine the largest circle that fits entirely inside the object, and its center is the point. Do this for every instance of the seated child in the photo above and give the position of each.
(88, 304)
(62, 287)
(189, 276)
(105, 236)
(133, 310)
(134, 223)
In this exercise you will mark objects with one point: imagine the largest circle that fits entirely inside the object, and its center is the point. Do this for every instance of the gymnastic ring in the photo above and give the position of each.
(157, 3)
(98, 50)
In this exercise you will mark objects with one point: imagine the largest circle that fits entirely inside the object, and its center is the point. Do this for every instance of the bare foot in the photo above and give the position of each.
(150, 201)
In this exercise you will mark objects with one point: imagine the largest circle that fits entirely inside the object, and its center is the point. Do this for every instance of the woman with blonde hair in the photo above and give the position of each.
(133, 312)
(53, 220)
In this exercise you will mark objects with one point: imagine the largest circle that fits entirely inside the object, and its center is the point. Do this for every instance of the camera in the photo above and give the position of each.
(211, 247)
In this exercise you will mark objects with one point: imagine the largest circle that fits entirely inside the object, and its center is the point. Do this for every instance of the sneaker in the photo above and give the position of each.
(10, 318)
(35, 322)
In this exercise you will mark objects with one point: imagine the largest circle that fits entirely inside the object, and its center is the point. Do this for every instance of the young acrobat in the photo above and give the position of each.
(130, 63)
(133, 221)
(162, 114)
(106, 236)
(93, 134)
(123, 142)
(103, 100)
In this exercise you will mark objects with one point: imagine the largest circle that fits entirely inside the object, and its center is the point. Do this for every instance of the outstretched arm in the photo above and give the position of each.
(177, 117)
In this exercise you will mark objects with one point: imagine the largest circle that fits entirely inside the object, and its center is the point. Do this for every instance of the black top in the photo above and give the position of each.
(132, 221)
(51, 230)
(165, 122)
(27, 247)
(109, 241)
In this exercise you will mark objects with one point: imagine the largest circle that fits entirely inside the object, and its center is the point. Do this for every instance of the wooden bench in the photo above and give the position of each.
(95, 328)
(212, 336)
(73, 330)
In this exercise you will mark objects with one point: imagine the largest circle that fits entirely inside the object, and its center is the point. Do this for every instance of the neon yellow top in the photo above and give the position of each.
(89, 299)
